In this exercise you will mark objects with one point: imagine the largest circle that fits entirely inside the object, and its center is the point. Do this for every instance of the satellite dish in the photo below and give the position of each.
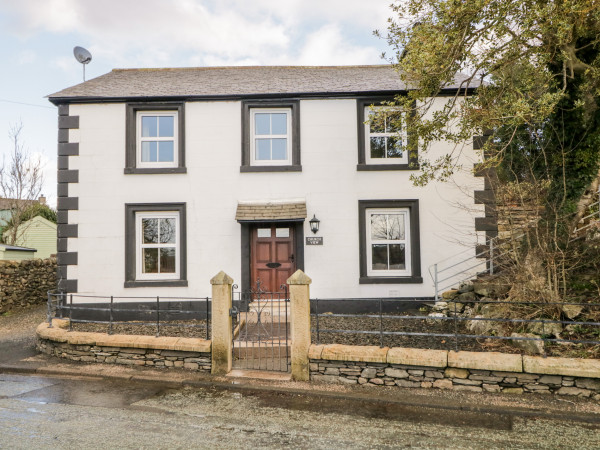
(83, 56)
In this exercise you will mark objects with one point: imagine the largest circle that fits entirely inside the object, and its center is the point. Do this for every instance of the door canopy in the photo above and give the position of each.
(275, 210)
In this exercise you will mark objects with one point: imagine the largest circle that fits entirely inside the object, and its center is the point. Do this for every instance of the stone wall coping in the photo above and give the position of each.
(493, 361)
(58, 334)
(418, 357)
(315, 351)
(501, 362)
(337, 352)
(571, 367)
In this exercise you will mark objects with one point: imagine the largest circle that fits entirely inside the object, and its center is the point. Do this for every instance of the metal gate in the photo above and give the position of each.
(261, 329)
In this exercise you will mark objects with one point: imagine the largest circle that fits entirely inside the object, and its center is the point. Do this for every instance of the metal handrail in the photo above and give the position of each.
(490, 256)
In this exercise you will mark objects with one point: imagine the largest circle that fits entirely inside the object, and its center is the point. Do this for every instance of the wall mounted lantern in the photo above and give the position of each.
(314, 224)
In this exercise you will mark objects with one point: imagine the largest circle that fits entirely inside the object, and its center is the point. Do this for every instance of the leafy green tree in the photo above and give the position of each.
(528, 73)
(535, 65)
(36, 209)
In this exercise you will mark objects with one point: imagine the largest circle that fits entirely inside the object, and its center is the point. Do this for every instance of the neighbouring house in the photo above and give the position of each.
(16, 253)
(7, 206)
(167, 176)
(38, 233)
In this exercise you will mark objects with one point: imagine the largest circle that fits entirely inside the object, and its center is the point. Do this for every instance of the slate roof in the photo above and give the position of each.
(237, 81)
(266, 211)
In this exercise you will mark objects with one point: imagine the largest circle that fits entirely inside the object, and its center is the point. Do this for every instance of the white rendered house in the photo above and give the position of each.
(167, 176)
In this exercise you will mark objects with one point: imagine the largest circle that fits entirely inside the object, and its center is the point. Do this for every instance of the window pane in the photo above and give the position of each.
(397, 257)
(394, 147)
(396, 226)
(262, 123)
(167, 260)
(150, 258)
(377, 147)
(393, 122)
(264, 232)
(282, 232)
(166, 126)
(263, 149)
(150, 231)
(167, 231)
(376, 122)
(149, 151)
(165, 151)
(279, 149)
(279, 123)
(379, 257)
(149, 124)
(378, 227)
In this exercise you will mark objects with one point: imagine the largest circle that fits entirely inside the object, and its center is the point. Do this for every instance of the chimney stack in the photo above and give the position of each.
(42, 200)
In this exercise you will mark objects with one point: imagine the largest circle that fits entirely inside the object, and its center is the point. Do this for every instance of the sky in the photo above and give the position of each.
(37, 39)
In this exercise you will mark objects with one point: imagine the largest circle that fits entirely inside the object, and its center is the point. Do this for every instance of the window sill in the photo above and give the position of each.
(153, 170)
(157, 283)
(371, 167)
(390, 280)
(294, 168)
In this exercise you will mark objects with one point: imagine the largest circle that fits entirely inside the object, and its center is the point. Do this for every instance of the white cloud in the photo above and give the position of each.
(327, 46)
(152, 33)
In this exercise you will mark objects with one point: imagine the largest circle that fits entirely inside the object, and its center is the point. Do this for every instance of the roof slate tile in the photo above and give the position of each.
(237, 81)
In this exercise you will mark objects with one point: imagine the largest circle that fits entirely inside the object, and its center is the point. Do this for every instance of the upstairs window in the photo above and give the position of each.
(385, 137)
(155, 134)
(271, 136)
(383, 140)
(157, 139)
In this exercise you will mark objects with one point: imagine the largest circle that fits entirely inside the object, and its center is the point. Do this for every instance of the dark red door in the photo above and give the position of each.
(272, 256)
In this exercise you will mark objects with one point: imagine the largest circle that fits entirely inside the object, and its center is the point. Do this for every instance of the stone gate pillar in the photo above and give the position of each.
(300, 324)
(221, 324)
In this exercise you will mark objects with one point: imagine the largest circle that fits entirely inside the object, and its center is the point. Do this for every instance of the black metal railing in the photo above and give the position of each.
(156, 312)
(378, 327)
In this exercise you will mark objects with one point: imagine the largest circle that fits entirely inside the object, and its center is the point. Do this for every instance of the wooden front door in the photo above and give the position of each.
(272, 259)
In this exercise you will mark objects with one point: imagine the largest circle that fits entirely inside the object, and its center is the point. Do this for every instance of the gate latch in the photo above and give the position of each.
(233, 312)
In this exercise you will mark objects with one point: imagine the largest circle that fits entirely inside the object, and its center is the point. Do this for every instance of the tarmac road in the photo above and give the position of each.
(44, 412)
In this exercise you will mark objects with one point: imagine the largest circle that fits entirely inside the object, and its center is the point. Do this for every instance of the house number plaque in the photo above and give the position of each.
(314, 241)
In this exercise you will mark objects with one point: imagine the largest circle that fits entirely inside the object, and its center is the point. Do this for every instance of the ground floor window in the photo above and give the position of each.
(155, 245)
(389, 241)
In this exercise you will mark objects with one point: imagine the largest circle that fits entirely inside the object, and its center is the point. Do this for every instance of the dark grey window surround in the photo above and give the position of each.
(246, 229)
(131, 137)
(130, 248)
(294, 105)
(413, 159)
(415, 241)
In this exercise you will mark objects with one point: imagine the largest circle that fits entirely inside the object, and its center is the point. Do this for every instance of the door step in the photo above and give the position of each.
(260, 375)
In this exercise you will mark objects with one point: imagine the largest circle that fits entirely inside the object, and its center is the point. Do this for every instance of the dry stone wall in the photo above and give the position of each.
(350, 372)
(26, 283)
(460, 371)
(127, 356)
(165, 352)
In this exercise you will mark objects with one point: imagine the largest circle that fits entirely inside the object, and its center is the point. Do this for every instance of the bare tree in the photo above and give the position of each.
(21, 181)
